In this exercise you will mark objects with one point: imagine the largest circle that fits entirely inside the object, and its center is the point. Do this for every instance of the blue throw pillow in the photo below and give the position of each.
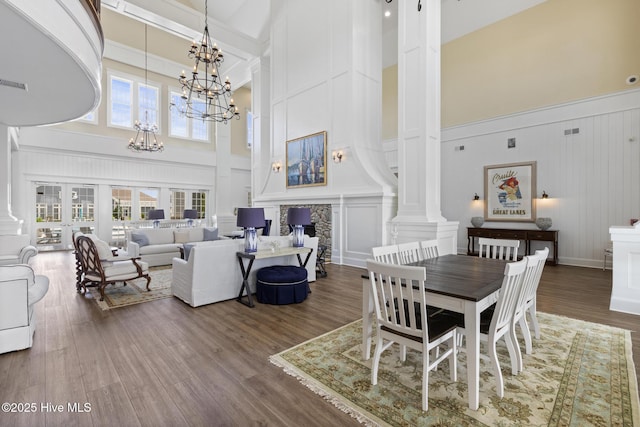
(187, 250)
(140, 238)
(210, 234)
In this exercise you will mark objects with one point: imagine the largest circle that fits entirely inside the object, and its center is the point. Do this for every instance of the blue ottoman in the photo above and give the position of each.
(281, 284)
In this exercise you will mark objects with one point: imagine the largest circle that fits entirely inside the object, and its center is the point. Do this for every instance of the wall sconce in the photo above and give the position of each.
(476, 197)
(544, 195)
(276, 166)
(337, 156)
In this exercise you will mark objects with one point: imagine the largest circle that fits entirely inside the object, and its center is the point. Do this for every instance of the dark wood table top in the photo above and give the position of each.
(459, 276)
(466, 277)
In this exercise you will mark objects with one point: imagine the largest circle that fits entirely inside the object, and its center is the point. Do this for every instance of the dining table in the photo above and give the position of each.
(460, 283)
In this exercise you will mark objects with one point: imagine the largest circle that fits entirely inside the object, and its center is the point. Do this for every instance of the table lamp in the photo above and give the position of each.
(298, 217)
(249, 219)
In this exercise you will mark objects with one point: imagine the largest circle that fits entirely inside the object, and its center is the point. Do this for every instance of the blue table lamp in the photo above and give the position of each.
(249, 219)
(298, 218)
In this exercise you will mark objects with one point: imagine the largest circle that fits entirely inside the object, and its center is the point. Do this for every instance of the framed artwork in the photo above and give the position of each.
(307, 161)
(509, 192)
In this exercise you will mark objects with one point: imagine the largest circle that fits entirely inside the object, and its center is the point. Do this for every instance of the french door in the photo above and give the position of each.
(60, 210)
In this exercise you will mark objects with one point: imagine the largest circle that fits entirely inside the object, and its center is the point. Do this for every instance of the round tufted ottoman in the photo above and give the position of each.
(282, 284)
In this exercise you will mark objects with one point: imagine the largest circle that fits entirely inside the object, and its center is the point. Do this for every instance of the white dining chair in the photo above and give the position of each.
(402, 318)
(530, 301)
(505, 249)
(429, 249)
(500, 324)
(387, 254)
(409, 252)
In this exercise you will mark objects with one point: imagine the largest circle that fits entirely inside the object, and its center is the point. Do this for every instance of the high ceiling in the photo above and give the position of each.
(240, 27)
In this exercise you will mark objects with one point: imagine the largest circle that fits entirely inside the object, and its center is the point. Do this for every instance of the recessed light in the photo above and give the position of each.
(631, 80)
(387, 13)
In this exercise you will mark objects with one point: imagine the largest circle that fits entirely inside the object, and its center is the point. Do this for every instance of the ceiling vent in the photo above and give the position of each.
(14, 85)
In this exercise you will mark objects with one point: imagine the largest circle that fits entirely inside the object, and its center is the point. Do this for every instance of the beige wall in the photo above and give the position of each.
(242, 99)
(557, 52)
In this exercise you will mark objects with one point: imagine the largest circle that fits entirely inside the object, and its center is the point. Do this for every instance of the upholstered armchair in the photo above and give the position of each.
(20, 289)
(16, 249)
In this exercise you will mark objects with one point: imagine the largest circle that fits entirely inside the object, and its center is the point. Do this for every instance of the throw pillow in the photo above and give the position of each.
(104, 251)
(187, 250)
(181, 236)
(209, 234)
(140, 238)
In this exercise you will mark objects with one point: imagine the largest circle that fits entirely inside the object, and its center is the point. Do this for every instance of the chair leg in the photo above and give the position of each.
(496, 367)
(376, 361)
(514, 350)
(146, 276)
(403, 353)
(526, 333)
(534, 319)
(425, 380)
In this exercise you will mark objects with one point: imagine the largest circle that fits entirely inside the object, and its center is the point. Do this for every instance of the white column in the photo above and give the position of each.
(625, 293)
(9, 225)
(419, 215)
(226, 219)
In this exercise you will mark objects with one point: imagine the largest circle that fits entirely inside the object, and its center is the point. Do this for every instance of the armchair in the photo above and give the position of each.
(16, 249)
(20, 289)
(100, 268)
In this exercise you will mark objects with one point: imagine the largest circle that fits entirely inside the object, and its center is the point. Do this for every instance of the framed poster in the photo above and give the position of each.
(307, 161)
(509, 192)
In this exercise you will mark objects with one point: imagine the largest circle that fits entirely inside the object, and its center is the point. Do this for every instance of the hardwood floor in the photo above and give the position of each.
(163, 363)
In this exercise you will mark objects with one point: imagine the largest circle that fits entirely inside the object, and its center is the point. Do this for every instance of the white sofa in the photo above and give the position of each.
(164, 243)
(20, 289)
(16, 249)
(212, 273)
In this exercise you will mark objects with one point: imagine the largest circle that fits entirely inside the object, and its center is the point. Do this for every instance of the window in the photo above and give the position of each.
(91, 117)
(121, 203)
(177, 204)
(199, 202)
(183, 127)
(148, 103)
(130, 99)
(121, 100)
(148, 201)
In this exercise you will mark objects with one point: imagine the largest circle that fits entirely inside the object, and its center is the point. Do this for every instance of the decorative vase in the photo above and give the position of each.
(543, 223)
(477, 221)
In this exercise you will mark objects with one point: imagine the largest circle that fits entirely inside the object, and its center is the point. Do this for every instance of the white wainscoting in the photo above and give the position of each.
(592, 175)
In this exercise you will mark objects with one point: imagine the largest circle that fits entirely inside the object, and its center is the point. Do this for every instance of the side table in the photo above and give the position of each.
(252, 256)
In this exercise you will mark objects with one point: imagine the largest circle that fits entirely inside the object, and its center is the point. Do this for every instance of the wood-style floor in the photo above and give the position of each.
(164, 363)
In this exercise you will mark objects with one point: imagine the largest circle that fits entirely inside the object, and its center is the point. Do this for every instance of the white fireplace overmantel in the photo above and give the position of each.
(625, 293)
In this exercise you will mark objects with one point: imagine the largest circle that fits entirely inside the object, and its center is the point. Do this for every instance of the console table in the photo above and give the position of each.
(251, 256)
(525, 235)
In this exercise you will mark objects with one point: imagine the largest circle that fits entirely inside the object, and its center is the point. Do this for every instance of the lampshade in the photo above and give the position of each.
(250, 217)
(156, 214)
(190, 214)
(299, 216)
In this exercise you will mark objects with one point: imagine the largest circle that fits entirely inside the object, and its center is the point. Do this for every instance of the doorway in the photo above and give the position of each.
(60, 210)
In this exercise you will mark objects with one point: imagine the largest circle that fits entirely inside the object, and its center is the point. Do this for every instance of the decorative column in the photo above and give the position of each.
(226, 218)
(9, 225)
(419, 216)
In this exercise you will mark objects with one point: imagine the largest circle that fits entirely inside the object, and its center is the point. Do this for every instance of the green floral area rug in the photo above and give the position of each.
(579, 374)
(135, 292)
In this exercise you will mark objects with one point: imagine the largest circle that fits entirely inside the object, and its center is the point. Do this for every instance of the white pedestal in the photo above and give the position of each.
(625, 294)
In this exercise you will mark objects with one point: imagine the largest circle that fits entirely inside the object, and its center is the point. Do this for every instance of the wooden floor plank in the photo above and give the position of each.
(166, 363)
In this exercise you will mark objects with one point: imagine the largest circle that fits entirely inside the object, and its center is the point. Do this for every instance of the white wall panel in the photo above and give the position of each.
(592, 176)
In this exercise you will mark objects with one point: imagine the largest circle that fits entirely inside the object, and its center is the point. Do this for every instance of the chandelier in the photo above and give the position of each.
(204, 95)
(145, 139)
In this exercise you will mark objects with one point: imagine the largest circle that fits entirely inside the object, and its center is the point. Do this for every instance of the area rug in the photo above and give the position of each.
(579, 374)
(135, 292)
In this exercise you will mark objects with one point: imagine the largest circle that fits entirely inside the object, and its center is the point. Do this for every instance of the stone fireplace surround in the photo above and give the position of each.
(320, 215)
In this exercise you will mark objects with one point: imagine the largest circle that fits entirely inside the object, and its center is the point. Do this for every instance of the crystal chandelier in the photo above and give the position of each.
(145, 139)
(204, 95)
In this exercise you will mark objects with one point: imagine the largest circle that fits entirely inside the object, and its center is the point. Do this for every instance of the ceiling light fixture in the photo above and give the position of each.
(204, 94)
(148, 140)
